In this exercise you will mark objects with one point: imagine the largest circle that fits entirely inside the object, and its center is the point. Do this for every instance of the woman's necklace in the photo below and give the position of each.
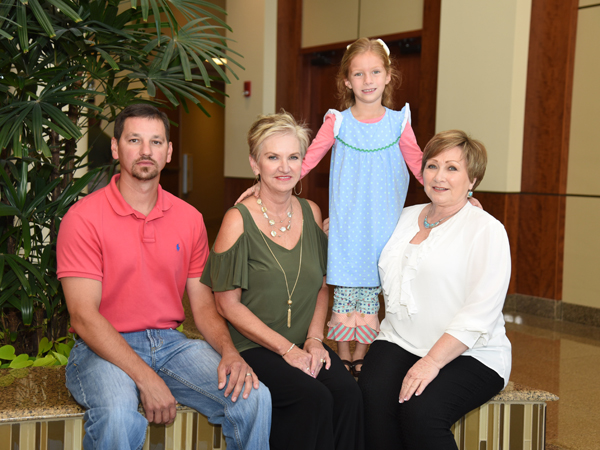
(272, 222)
(287, 287)
(433, 225)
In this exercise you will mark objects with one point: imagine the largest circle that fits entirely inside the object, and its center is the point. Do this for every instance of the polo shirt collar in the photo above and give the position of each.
(122, 208)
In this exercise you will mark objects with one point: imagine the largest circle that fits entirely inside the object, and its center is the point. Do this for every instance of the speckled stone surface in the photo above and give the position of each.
(42, 394)
(516, 392)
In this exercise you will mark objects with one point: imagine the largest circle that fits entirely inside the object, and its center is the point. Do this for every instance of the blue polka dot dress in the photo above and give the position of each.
(367, 189)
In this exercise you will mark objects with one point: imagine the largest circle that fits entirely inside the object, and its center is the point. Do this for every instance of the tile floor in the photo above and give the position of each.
(562, 358)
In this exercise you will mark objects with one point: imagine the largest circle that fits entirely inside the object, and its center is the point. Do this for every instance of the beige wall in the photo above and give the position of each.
(254, 24)
(381, 17)
(325, 22)
(331, 21)
(584, 146)
(581, 283)
(482, 79)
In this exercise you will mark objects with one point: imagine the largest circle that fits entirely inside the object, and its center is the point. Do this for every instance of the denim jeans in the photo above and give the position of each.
(189, 369)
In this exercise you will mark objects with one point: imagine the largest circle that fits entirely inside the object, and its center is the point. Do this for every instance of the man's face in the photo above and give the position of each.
(143, 150)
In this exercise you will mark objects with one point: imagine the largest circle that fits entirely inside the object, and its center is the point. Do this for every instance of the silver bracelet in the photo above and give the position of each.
(289, 350)
(315, 338)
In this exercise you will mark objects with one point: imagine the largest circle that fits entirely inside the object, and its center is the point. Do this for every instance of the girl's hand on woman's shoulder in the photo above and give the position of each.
(476, 202)
(252, 190)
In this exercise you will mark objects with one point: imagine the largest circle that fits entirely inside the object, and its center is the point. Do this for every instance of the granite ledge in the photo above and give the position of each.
(515, 392)
(62, 412)
(42, 395)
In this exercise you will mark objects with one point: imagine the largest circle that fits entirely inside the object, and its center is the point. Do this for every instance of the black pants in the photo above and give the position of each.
(322, 413)
(423, 422)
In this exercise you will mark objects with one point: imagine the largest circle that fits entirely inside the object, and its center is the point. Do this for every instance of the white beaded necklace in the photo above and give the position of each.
(272, 222)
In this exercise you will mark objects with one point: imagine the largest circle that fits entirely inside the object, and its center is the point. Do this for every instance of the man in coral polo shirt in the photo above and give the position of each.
(126, 254)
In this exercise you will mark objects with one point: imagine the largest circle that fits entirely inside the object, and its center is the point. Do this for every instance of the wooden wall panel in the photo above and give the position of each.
(289, 60)
(548, 98)
(545, 147)
(233, 189)
(430, 45)
(541, 245)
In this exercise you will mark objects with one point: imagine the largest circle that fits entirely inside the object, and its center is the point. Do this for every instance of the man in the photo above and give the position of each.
(126, 253)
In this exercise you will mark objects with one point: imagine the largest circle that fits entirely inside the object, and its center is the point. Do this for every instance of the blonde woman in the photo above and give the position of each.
(267, 270)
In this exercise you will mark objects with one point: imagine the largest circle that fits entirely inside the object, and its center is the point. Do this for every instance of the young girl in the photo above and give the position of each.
(372, 144)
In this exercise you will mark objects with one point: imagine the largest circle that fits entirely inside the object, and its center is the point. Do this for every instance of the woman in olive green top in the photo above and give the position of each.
(267, 270)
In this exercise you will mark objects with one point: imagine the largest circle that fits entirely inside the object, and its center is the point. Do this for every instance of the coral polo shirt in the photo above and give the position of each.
(142, 261)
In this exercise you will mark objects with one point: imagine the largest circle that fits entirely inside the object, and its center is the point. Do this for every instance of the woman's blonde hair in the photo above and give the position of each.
(363, 45)
(473, 151)
(273, 124)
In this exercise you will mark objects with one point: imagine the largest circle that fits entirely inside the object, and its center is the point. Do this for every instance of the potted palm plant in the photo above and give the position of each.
(63, 62)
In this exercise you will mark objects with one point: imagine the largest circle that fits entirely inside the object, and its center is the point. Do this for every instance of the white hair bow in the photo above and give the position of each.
(383, 44)
(385, 47)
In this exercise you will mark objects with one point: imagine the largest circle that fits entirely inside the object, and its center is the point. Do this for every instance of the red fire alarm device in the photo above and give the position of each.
(247, 88)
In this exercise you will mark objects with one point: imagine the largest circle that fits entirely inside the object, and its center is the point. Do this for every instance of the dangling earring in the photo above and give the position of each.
(470, 193)
(298, 193)
(256, 179)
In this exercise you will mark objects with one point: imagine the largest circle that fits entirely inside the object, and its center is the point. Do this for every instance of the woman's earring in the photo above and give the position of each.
(470, 193)
(256, 179)
(298, 193)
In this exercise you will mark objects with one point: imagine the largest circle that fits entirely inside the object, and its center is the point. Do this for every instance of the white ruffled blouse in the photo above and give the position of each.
(454, 282)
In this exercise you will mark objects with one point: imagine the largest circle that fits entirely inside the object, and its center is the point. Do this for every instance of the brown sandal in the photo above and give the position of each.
(349, 366)
(355, 372)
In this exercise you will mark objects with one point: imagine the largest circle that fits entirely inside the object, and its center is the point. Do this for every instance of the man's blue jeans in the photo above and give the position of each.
(188, 367)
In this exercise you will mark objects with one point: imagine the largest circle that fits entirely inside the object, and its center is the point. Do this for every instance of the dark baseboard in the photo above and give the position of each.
(552, 309)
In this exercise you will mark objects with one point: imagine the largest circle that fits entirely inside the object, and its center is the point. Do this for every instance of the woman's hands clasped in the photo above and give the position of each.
(309, 360)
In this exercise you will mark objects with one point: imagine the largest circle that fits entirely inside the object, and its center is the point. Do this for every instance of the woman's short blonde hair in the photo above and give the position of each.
(473, 151)
(276, 124)
(364, 45)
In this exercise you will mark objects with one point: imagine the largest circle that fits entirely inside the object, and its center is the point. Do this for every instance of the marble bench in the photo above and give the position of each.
(514, 419)
(37, 411)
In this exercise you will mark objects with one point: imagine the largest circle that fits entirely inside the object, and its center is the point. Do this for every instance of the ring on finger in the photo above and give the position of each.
(248, 374)
(323, 360)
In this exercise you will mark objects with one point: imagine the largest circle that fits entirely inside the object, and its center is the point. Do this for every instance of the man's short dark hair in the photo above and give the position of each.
(144, 111)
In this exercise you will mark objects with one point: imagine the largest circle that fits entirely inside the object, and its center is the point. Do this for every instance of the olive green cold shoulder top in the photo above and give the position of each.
(249, 265)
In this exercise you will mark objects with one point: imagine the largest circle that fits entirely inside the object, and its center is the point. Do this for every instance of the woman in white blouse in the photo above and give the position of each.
(442, 350)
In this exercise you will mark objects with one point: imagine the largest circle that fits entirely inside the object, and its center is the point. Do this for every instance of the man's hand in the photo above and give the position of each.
(159, 404)
(241, 375)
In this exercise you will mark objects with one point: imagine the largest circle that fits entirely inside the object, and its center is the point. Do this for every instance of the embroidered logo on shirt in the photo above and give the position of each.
(177, 247)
